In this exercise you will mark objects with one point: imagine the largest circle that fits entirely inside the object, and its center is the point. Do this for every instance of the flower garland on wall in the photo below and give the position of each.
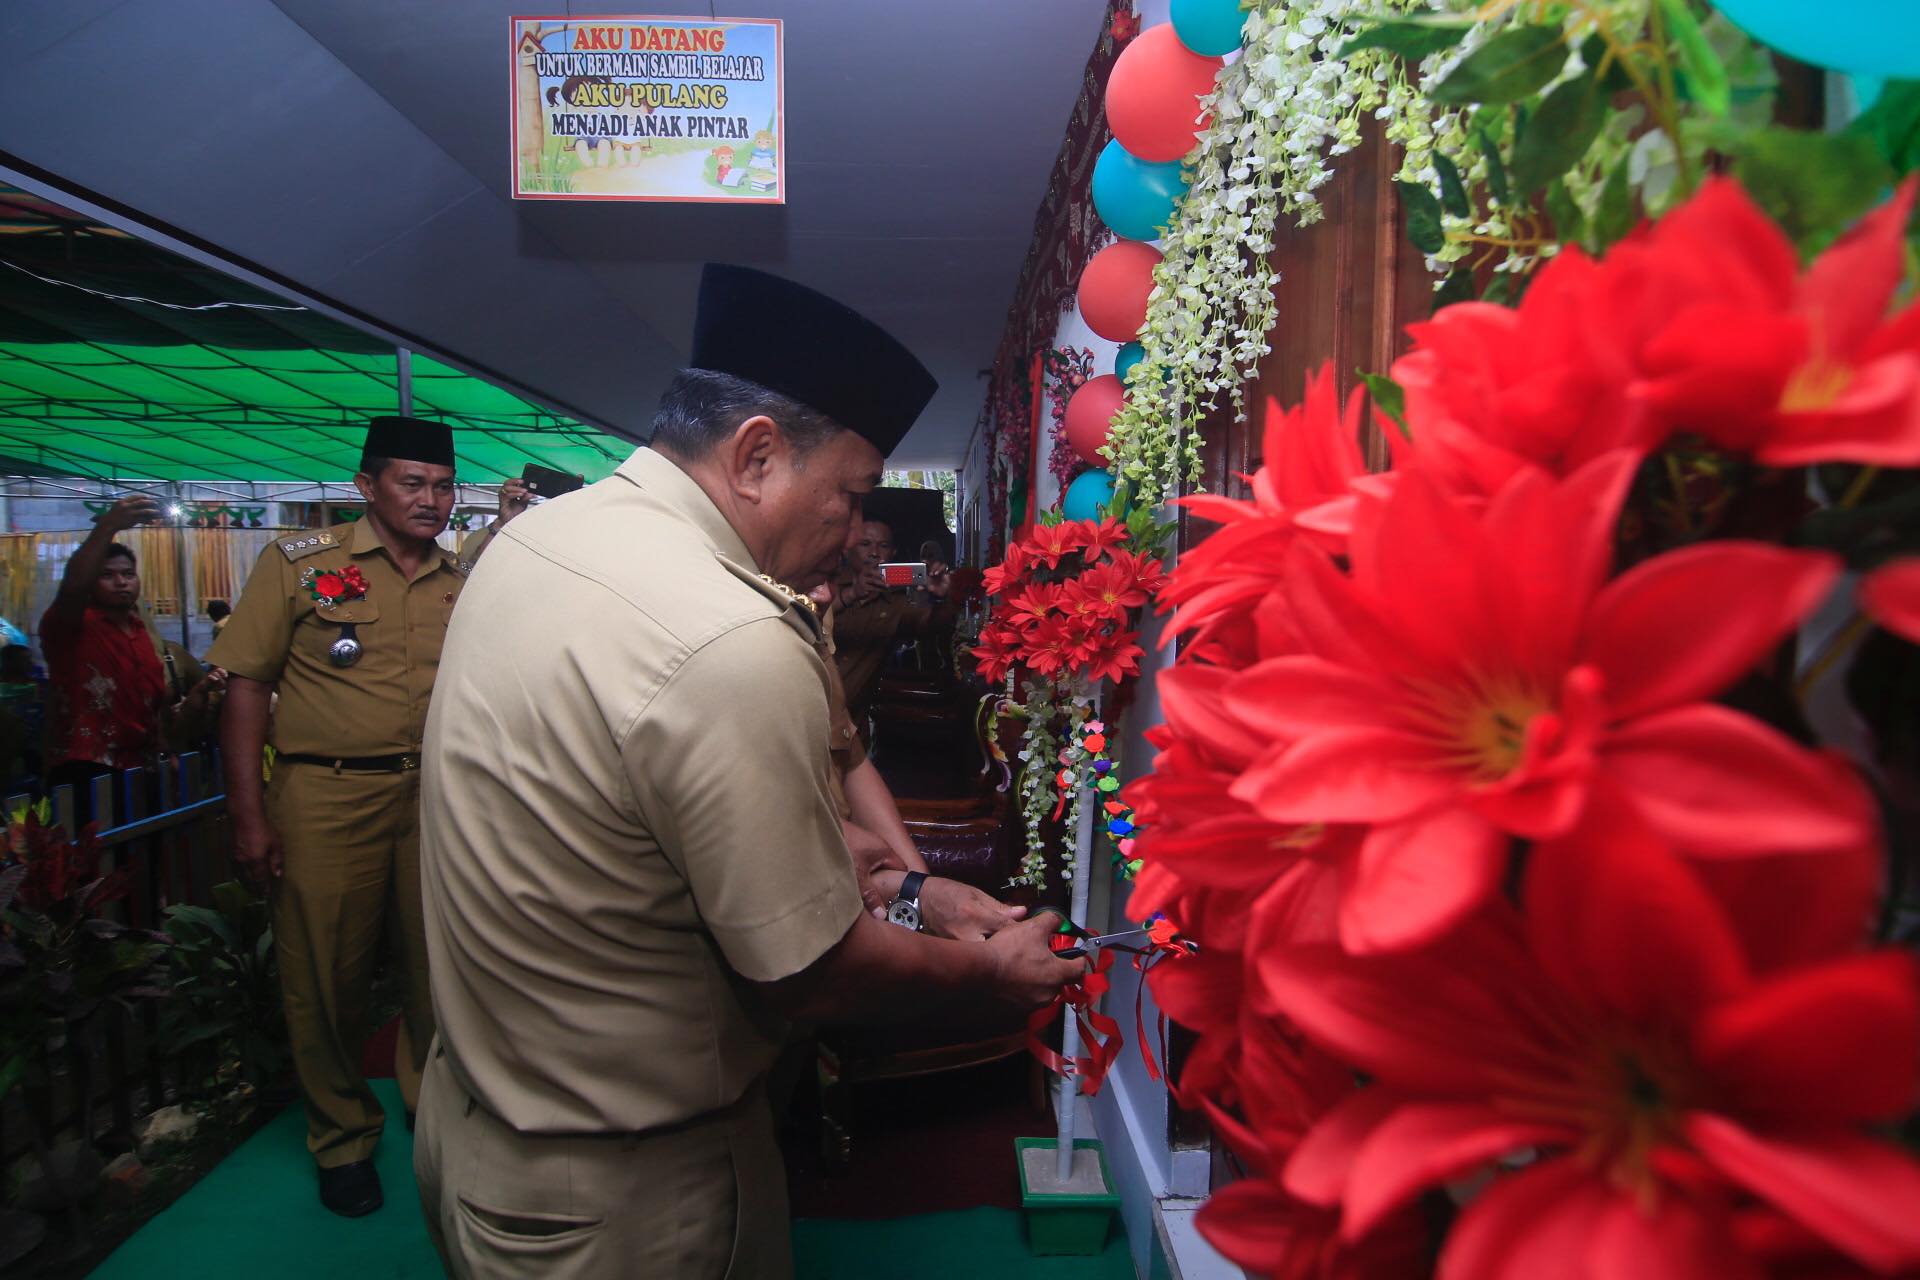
(1294, 100)
(1066, 370)
(1509, 148)
(1065, 603)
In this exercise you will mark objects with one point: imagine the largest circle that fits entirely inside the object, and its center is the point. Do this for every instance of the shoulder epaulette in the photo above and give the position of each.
(307, 544)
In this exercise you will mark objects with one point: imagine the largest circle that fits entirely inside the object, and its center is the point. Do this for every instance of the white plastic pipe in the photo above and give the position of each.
(1067, 1089)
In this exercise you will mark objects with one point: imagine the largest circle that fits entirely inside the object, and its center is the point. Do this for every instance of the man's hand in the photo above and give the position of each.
(1026, 972)
(515, 497)
(257, 854)
(959, 911)
(215, 681)
(877, 869)
(135, 508)
(939, 580)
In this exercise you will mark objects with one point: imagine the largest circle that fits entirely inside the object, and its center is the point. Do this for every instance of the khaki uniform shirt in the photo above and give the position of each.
(626, 812)
(843, 736)
(864, 636)
(278, 633)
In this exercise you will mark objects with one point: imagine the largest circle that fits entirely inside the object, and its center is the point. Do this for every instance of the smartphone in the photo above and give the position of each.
(545, 482)
(905, 573)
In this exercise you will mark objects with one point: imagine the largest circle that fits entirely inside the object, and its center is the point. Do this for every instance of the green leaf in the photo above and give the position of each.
(1594, 52)
(1423, 217)
(1457, 287)
(1569, 224)
(1813, 184)
(1453, 192)
(1613, 217)
(1389, 399)
(1412, 38)
(1558, 134)
(1496, 170)
(1707, 82)
(1517, 62)
(1893, 124)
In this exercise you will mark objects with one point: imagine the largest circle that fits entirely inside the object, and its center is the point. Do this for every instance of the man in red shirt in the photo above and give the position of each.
(103, 670)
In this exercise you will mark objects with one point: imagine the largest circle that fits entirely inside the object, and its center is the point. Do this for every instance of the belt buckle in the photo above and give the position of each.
(409, 762)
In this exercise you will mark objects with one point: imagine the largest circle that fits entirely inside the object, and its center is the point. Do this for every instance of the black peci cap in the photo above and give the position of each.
(410, 439)
(803, 344)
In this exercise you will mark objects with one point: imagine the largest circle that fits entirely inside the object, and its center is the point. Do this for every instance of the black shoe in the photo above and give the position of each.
(351, 1190)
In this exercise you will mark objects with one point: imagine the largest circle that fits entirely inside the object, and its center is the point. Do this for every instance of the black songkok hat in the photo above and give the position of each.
(809, 348)
(411, 440)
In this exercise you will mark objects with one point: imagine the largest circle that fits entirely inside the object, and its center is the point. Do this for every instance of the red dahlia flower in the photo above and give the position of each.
(1705, 324)
(1303, 490)
(1009, 571)
(1000, 647)
(1052, 541)
(1664, 1079)
(1792, 368)
(1477, 678)
(1891, 596)
(1102, 538)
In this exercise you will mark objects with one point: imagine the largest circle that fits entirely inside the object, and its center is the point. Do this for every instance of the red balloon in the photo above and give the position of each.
(1114, 289)
(1090, 415)
(1154, 92)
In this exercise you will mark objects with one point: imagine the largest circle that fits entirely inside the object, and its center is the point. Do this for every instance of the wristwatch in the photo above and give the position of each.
(904, 910)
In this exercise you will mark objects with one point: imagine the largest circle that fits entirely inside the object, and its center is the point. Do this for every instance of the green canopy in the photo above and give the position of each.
(119, 360)
(193, 412)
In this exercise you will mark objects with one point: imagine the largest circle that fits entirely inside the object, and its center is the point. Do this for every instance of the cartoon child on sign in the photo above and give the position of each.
(722, 164)
(763, 151)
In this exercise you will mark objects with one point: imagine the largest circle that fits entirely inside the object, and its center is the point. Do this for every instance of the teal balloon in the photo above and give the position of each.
(1874, 37)
(1210, 28)
(1087, 496)
(1129, 355)
(1134, 197)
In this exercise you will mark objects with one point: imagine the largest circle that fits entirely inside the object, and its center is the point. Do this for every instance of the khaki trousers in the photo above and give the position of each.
(706, 1200)
(352, 846)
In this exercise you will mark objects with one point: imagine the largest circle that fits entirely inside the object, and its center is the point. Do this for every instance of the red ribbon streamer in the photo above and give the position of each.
(1096, 1028)
(1097, 1031)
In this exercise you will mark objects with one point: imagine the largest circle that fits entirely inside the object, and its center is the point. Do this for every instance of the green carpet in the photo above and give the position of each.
(257, 1215)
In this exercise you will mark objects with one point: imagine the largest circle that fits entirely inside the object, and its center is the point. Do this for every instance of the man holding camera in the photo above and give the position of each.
(870, 617)
(346, 624)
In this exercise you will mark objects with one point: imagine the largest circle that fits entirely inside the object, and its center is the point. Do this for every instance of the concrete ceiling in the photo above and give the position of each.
(358, 150)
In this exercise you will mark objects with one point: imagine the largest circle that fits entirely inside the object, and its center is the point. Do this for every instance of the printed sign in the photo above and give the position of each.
(641, 108)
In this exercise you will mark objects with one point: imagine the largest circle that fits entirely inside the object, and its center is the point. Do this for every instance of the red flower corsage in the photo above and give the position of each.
(335, 586)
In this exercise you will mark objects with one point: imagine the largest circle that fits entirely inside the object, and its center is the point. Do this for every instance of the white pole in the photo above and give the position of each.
(1068, 1088)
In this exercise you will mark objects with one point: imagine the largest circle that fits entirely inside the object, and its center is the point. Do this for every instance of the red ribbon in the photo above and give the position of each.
(1098, 1032)
(1108, 1042)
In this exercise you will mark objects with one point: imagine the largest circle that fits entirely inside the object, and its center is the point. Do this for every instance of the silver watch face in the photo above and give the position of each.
(903, 913)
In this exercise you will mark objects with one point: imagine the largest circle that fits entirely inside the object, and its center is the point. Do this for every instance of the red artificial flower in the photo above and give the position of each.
(1195, 825)
(1125, 26)
(1052, 541)
(329, 586)
(1790, 367)
(1033, 603)
(998, 650)
(1622, 1035)
(1048, 646)
(1008, 572)
(1119, 585)
(1113, 656)
(1891, 597)
(1703, 325)
(1477, 677)
(1102, 538)
(1083, 597)
(1144, 573)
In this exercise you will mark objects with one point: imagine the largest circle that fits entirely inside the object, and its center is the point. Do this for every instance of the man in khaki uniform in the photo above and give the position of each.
(633, 869)
(346, 623)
